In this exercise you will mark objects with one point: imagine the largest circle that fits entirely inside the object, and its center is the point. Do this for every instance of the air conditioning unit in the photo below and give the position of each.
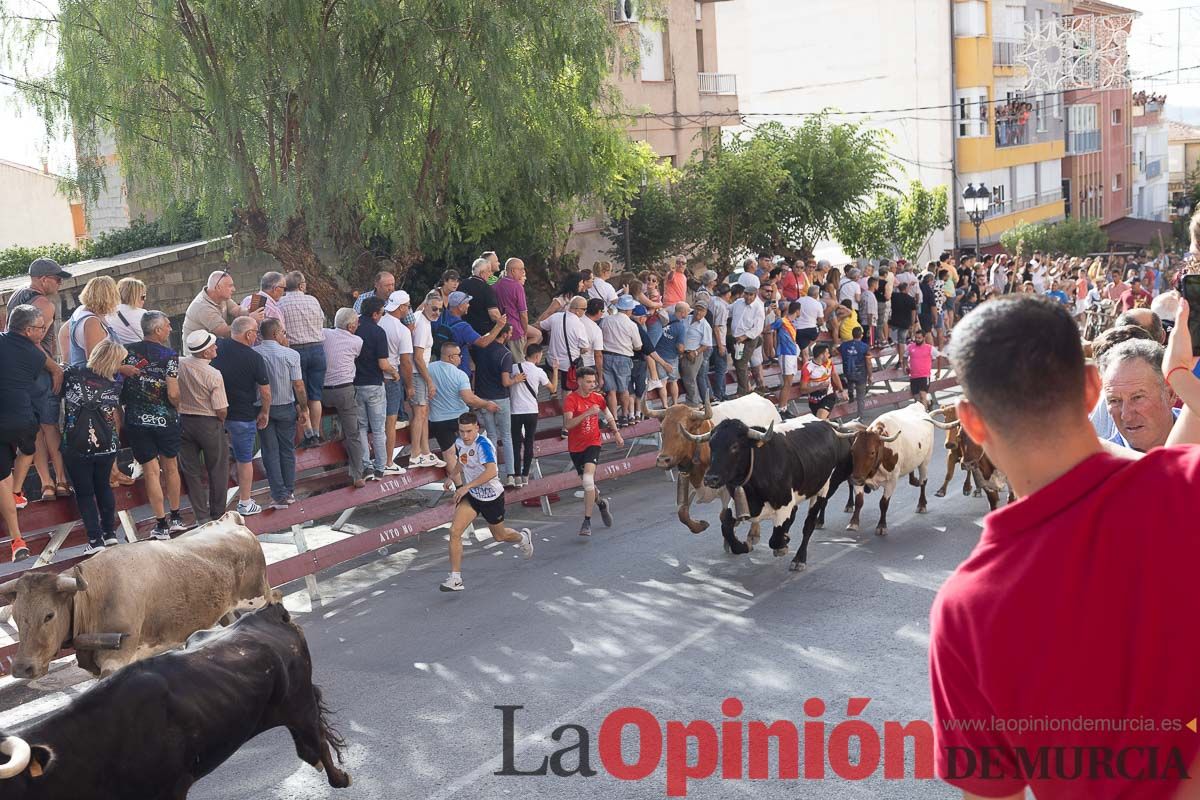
(625, 11)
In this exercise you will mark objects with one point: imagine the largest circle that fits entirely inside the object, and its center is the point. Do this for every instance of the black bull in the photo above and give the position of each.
(770, 467)
(154, 728)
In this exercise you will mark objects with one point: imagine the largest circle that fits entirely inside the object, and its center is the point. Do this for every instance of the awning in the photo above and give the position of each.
(1140, 232)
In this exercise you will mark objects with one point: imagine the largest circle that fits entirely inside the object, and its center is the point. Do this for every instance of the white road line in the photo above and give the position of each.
(492, 764)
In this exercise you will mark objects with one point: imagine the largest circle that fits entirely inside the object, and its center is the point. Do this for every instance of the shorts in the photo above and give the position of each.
(806, 336)
(756, 358)
(47, 406)
(12, 443)
(672, 374)
(492, 510)
(939, 320)
(420, 391)
(618, 372)
(589, 456)
(918, 385)
(150, 443)
(1080, 307)
(241, 439)
(394, 397)
(312, 367)
(900, 335)
(926, 322)
(826, 401)
(789, 364)
(444, 432)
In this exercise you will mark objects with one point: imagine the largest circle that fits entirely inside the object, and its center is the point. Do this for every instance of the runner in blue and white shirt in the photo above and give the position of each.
(472, 465)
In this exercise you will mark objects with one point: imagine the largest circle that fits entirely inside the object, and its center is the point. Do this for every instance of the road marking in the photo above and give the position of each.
(492, 764)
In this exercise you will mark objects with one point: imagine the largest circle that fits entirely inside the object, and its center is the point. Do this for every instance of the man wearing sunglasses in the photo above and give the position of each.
(214, 310)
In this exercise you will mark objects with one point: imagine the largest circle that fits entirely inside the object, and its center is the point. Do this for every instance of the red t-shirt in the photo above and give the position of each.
(1079, 603)
(587, 433)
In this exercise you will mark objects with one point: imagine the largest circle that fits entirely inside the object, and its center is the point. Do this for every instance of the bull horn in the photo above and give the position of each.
(9, 588)
(762, 437)
(18, 754)
(706, 413)
(844, 432)
(698, 438)
(652, 413)
(891, 438)
(946, 426)
(71, 585)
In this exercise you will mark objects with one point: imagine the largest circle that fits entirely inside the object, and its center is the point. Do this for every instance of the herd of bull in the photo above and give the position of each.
(762, 468)
(162, 718)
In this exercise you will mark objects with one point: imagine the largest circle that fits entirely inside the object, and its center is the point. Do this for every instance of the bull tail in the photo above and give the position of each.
(328, 732)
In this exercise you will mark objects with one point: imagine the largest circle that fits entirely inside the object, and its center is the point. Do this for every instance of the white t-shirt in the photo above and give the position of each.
(811, 312)
(849, 290)
(473, 459)
(603, 290)
(126, 333)
(596, 339)
(398, 337)
(557, 347)
(910, 280)
(422, 336)
(522, 400)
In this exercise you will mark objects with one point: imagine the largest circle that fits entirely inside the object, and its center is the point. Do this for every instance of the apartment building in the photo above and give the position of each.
(1151, 176)
(1183, 157)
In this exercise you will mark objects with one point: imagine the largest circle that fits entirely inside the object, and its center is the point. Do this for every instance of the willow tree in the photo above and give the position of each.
(314, 121)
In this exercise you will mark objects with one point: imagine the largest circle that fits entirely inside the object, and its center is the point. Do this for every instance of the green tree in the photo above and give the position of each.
(1024, 238)
(312, 121)
(895, 225)
(657, 228)
(1077, 237)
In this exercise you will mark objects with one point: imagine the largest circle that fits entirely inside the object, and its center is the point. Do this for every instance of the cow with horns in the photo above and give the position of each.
(898, 443)
(690, 458)
(777, 469)
(975, 462)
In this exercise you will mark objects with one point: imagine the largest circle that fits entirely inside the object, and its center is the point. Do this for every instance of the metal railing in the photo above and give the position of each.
(718, 83)
(1082, 142)
(1004, 52)
(1050, 196)
(1011, 133)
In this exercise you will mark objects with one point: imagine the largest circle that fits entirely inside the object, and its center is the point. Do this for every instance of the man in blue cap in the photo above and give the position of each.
(461, 332)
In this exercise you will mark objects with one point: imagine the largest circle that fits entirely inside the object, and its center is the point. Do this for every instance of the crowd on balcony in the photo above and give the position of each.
(1012, 123)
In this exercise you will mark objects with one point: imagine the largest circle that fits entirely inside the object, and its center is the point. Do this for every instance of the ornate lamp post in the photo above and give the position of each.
(976, 203)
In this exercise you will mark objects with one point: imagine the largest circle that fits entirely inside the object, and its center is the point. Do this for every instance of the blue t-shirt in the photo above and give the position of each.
(668, 344)
(464, 337)
(448, 402)
(854, 359)
(1061, 297)
(785, 345)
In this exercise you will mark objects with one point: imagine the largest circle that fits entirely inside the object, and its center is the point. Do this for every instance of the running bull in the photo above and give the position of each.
(153, 729)
(777, 470)
(975, 462)
(148, 597)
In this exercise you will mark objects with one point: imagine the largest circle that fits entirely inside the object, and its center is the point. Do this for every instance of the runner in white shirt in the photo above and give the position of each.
(472, 465)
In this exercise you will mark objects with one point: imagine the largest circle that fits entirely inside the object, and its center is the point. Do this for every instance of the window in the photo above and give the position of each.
(970, 19)
(654, 50)
(1116, 116)
(1117, 182)
(972, 112)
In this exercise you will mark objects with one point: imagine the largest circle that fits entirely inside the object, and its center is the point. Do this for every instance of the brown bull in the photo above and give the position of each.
(975, 463)
(151, 595)
(953, 453)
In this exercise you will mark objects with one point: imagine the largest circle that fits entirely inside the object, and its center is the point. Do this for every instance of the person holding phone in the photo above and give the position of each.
(272, 287)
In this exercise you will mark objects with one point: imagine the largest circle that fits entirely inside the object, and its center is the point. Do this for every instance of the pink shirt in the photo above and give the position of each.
(510, 299)
(675, 288)
(920, 360)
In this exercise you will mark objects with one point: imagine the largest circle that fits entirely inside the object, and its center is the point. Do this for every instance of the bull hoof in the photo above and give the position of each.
(966, 489)
(881, 530)
(819, 526)
(338, 779)
(849, 509)
(940, 493)
(728, 549)
(922, 510)
(913, 481)
(797, 566)
(698, 527)
(976, 493)
(781, 551)
(853, 526)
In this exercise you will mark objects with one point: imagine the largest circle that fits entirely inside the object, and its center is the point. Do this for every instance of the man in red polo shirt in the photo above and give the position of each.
(1062, 652)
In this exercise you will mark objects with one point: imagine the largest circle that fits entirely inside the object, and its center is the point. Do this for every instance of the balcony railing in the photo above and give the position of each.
(1004, 51)
(718, 83)
(1011, 133)
(1050, 196)
(1153, 168)
(1082, 142)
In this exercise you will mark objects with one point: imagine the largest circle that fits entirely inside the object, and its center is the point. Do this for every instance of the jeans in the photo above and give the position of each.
(312, 367)
(524, 427)
(372, 403)
(857, 389)
(93, 495)
(637, 376)
(278, 441)
(204, 436)
(498, 425)
(689, 369)
(718, 367)
(342, 401)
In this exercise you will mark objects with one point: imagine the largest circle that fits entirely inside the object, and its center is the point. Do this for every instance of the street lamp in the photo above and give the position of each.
(976, 203)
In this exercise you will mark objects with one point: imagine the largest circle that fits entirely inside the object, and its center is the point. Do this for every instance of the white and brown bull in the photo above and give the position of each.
(954, 455)
(975, 462)
(691, 459)
(898, 443)
(145, 598)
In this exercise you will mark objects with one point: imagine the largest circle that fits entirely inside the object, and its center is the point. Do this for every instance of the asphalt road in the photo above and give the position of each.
(644, 614)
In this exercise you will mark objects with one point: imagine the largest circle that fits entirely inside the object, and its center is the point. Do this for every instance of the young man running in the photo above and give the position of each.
(580, 412)
(471, 464)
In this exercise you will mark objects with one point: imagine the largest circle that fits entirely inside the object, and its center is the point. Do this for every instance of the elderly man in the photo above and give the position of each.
(248, 388)
(305, 324)
(422, 386)
(463, 334)
(289, 406)
(670, 348)
(202, 410)
(385, 284)
(151, 400)
(621, 340)
(1145, 319)
(271, 287)
(1137, 397)
(747, 318)
(400, 354)
(566, 341)
(213, 309)
(484, 310)
(718, 319)
(342, 347)
(510, 299)
(22, 362)
(697, 340)
(850, 288)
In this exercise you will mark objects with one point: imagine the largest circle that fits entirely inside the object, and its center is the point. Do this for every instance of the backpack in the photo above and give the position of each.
(90, 432)
(441, 333)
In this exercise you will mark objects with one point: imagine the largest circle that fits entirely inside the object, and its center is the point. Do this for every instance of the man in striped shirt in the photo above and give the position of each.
(304, 322)
(271, 288)
(341, 348)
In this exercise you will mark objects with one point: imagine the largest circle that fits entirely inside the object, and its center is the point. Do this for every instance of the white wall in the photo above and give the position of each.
(32, 212)
(854, 55)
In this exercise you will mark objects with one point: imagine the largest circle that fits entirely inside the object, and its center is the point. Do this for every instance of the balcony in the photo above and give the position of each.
(1079, 142)
(718, 83)
(1153, 169)
(1011, 133)
(1004, 52)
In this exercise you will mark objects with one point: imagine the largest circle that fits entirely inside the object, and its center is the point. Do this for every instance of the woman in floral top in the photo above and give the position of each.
(90, 440)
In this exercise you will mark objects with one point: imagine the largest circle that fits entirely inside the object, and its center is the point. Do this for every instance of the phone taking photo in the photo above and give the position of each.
(1191, 293)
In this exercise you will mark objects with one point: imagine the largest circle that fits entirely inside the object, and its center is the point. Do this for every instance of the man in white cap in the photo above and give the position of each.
(400, 353)
(621, 340)
(747, 318)
(202, 409)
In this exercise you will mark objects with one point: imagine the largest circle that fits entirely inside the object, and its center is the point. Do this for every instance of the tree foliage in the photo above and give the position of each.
(1072, 237)
(423, 121)
(895, 226)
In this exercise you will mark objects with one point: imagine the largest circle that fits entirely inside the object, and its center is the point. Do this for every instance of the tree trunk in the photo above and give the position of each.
(294, 251)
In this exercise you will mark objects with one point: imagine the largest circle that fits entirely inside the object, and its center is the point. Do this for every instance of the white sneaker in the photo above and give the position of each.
(511, 482)
(90, 548)
(435, 462)
(394, 469)
(418, 461)
(526, 543)
(452, 585)
(249, 508)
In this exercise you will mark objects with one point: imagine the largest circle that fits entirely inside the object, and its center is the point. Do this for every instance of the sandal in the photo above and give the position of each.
(62, 489)
(48, 494)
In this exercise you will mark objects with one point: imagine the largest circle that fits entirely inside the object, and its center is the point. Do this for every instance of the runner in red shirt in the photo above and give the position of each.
(1061, 653)
(581, 418)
